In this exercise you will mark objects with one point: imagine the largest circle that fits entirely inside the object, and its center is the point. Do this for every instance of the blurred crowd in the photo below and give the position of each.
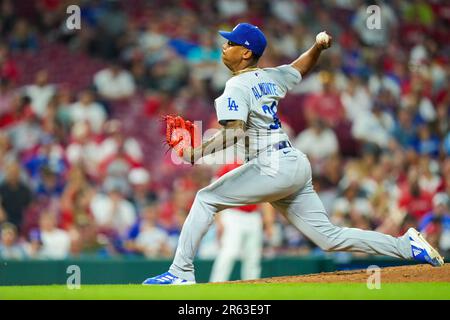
(373, 118)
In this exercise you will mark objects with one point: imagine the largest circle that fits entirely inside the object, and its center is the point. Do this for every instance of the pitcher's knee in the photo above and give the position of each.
(328, 240)
(325, 245)
(205, 200)
(201, 195)
(205, 196)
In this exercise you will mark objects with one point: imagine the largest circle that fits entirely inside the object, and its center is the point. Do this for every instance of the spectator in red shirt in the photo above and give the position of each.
(116, 141)
(8, 67)
(413, 199)
(118, 165)
(325, 105)
(76, 215)
(6, 96)
(178, 205)
(20, 111)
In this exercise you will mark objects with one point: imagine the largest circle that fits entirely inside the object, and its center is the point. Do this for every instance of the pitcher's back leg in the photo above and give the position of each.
(306, 211)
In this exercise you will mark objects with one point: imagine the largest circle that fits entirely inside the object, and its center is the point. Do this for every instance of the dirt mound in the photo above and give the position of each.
(415, 273)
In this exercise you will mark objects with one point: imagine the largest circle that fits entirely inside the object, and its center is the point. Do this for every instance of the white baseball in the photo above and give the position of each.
(323, 38)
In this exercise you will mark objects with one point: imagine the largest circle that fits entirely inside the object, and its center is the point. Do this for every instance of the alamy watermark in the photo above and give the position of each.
(374, 20)
(245, 146)
(374, 279)
(73, 21)
(74, 280)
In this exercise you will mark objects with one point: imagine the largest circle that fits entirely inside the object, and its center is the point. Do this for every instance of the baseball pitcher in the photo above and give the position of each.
(274, 171)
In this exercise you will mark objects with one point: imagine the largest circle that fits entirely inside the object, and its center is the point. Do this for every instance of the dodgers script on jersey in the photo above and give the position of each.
(253, 97)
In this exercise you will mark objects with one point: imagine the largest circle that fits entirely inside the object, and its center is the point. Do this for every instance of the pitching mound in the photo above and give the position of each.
(416, 273)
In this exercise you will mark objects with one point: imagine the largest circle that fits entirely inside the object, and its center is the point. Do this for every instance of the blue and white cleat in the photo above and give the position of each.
(422, 251)
(167, 278)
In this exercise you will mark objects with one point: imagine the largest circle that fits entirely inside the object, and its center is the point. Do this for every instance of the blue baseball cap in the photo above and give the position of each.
(248, 36)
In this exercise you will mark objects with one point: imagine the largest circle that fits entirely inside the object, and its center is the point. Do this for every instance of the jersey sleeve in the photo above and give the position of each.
(286, 76)
(233, 104)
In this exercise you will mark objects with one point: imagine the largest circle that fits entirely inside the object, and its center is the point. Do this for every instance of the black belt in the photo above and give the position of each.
(277, 146)
(281, 145)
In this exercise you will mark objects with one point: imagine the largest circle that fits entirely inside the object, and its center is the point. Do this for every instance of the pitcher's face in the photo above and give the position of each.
(232, 54)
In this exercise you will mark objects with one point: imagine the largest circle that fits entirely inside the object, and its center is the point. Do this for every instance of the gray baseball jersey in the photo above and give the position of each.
(283, 179)
(253, 98)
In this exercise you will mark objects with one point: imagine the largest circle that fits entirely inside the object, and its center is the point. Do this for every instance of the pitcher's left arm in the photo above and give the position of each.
(230, 133)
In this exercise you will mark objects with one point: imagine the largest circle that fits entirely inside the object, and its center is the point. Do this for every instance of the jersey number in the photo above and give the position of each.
(272, 110)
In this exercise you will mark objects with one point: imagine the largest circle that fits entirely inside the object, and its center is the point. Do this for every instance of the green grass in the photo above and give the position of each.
(291, 291)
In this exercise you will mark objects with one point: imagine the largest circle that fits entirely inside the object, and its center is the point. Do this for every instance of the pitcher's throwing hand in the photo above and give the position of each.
(323, 40)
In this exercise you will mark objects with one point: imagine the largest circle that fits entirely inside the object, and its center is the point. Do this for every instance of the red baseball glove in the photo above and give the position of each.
(180, 133)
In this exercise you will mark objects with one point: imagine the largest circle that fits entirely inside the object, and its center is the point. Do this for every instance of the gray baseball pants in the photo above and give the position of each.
(282, 178)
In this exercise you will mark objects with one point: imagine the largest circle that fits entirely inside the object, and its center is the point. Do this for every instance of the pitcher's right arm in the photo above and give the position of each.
(308, 59)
